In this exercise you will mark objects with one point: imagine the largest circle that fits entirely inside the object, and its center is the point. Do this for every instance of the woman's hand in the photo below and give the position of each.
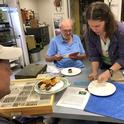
(104, 76)
(92, 76)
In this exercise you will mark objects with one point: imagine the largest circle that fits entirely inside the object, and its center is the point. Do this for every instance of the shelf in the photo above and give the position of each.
(41, 35)
(3, 5)
(4, 30)
(4, 23)
(8, 43)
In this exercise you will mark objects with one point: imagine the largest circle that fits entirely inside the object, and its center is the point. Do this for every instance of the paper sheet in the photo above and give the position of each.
(74, 97)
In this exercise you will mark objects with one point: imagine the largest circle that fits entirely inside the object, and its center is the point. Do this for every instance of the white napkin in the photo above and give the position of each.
(51, 68)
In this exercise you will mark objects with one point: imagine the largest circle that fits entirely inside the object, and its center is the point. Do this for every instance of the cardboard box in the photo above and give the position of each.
(23, 100)
(34, 23)
(31, 42)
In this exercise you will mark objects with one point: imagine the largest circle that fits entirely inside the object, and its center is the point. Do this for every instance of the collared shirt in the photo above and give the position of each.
(59, 46)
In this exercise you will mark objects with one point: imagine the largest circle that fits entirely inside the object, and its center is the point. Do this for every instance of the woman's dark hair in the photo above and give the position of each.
(101, 11)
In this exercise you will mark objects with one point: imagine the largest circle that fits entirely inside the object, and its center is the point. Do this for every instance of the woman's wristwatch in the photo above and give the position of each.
(111, 71)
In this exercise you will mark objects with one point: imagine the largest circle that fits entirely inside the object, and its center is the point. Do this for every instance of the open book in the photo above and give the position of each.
(74, 97)
(71, 55)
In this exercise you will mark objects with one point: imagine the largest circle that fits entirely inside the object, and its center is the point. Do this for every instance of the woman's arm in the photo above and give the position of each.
(94, 73)
(95, 67)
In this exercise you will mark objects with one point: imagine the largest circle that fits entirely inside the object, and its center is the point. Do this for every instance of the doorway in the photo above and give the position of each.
(77, 13)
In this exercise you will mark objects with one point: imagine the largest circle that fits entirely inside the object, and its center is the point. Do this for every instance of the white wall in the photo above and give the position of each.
(44, 8)
(46, 11)
(116, 8)
(1, 1)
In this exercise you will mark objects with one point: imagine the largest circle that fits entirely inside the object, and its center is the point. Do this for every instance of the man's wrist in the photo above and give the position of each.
(111, 71)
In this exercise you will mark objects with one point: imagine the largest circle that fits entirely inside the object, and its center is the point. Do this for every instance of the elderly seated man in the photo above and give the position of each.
(66, 49)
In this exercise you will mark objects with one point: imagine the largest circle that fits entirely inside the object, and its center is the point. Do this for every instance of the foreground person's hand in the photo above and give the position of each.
(103, 77)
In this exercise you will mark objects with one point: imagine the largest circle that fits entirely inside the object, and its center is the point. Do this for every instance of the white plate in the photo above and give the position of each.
(61, 85)
(101, 89)
(75, 71)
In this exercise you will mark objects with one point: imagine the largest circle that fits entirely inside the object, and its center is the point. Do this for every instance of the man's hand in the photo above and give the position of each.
(74, 55)
(57, 57)
(77, 56)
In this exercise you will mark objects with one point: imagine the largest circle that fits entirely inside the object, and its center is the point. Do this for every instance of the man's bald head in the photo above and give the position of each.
(66, 29)
(67, 23)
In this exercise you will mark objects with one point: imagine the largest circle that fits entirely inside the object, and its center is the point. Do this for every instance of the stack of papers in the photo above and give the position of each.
(74, 97)
(51, 68)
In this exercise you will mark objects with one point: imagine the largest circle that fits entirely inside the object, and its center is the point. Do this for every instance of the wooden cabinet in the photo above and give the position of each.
(41, 35)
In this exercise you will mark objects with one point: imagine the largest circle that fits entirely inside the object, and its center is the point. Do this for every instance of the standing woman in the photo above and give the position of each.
(105, 41)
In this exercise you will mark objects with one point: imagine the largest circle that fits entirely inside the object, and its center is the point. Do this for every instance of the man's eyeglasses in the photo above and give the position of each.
(67, 31)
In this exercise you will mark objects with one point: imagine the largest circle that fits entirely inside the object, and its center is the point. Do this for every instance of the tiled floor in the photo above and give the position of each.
(43, 53)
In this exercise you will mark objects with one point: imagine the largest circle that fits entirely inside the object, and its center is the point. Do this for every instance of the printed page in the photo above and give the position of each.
(74, 97)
